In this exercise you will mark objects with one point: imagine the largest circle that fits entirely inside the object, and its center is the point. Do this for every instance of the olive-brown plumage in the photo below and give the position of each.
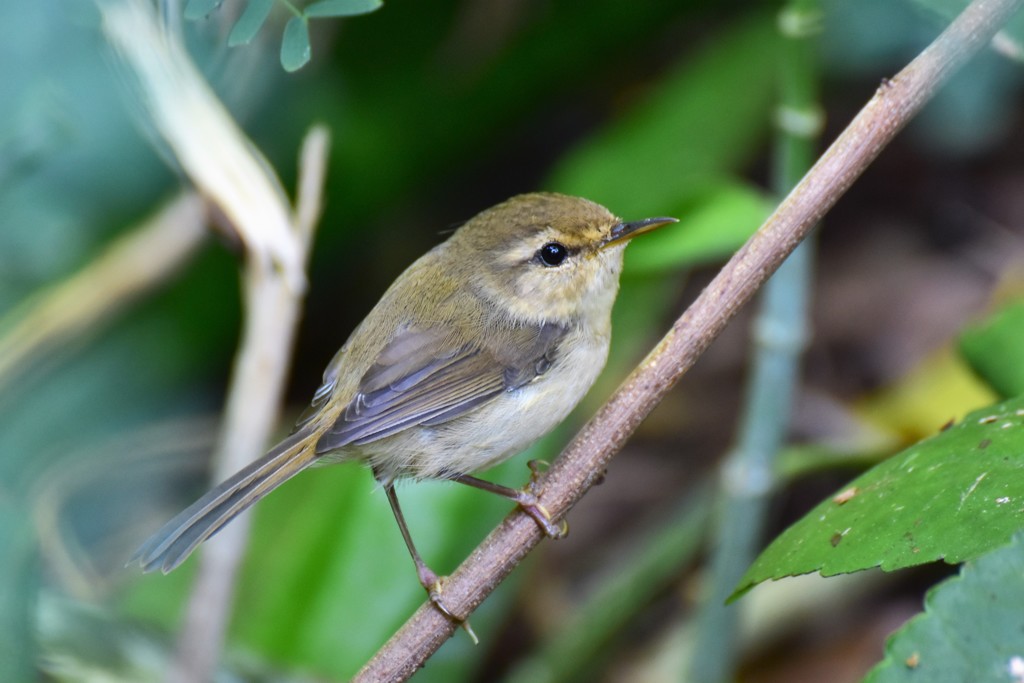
(478, 349)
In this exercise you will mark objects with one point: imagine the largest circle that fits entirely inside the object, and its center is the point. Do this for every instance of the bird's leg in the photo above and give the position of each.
(526, 497)
(430, 581)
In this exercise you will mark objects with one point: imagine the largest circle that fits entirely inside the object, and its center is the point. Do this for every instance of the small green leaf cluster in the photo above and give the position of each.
(295, 45)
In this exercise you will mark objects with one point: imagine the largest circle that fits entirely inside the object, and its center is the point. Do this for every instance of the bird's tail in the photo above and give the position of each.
(175, 541)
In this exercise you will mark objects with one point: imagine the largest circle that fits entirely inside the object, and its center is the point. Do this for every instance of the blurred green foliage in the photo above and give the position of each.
(994, 350)
(437, 110)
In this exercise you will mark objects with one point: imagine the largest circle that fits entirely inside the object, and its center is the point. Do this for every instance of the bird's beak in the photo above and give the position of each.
(627, 231)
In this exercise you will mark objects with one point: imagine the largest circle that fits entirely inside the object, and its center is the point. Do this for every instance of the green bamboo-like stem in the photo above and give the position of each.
(573, 652)
(779, 337)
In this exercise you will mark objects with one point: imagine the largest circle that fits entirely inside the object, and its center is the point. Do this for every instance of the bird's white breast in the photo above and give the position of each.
(501, 428)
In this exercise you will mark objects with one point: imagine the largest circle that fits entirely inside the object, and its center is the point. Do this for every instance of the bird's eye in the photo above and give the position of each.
(552, 254)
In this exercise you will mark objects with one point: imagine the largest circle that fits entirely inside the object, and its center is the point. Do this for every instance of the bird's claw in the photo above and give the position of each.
(434, 590)
(540, 514)
(528, 501)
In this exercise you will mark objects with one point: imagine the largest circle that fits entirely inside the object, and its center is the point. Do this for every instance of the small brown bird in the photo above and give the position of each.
(477, 350)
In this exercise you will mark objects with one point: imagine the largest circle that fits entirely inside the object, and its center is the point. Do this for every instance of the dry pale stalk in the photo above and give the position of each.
(227, 169)
(272, 307)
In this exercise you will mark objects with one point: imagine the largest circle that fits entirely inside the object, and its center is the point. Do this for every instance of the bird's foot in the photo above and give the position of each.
(434, 585)
(527, 499)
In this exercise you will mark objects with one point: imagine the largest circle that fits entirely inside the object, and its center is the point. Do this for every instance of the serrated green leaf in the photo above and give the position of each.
(995, 351)
(972, 628)
(704, 120)
(342, 8)
(200, 9)
(712, 225)
(295, 49)
(950, 497)
(250, 23)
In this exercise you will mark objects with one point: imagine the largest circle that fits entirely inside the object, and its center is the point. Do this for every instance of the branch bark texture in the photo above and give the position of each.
(584, 460)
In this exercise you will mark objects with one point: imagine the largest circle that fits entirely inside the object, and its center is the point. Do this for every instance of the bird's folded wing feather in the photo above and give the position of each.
(430, 376)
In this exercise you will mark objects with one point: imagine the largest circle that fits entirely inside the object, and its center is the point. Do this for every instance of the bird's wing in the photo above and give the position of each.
(323, 392)
(430, 376)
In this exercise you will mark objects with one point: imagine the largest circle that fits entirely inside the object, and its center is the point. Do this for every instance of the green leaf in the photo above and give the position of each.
(295, 49)
(712, 225)
(342, 8)
(971, 629)
(950, 497)
(200, 9)
(703, 120)
(995, 352)
(249, 24)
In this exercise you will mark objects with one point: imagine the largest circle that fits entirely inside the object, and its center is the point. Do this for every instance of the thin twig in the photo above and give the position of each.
(583, 462)
(310, 191)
